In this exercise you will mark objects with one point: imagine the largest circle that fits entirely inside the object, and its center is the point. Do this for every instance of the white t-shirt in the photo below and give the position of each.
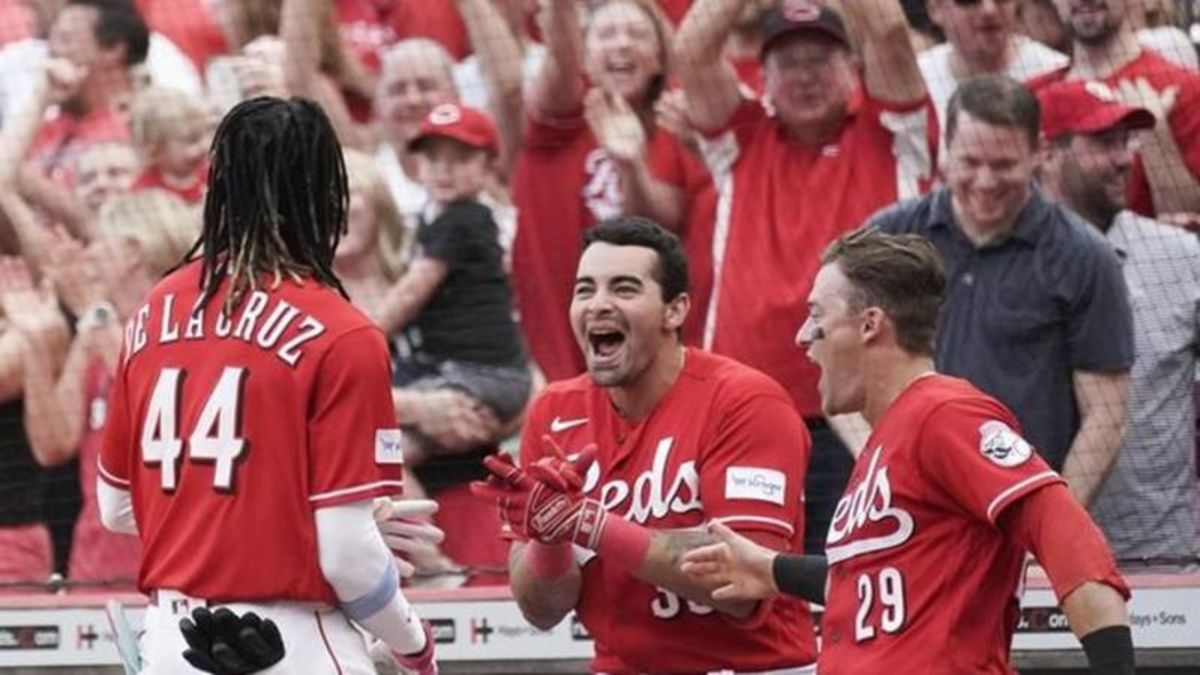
(472, 91)
(1032, 59)
(21, 65)
(1172, 43)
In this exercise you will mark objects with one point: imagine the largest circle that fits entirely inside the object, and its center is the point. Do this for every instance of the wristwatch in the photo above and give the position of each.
(97, 315)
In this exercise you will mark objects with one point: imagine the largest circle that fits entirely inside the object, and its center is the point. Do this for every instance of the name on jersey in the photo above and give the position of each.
(653, 493)
(865, 520)
(261, 321)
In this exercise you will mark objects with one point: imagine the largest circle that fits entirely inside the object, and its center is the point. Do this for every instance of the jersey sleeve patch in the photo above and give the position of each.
(1003, 446)
(389, 448)
(757, 483)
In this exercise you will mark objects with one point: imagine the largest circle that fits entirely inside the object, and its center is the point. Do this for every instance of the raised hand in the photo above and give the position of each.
(31, 309)
(615, 125)
(550, 509)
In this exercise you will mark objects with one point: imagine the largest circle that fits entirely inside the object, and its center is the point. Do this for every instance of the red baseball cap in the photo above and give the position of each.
(1087, 108)
(466, 125)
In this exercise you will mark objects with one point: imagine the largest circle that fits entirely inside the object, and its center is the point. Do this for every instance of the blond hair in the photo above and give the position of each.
(156, 110)
(394, 238)
(162, 224)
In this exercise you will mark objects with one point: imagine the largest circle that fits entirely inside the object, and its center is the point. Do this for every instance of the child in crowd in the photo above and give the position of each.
(171, 133)
(454, 303)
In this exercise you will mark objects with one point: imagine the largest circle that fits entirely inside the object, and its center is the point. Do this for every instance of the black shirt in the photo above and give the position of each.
(1025, 312)
(470, 316)
(22, 500)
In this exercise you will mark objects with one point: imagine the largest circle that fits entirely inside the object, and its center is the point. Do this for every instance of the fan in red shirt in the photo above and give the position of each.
(1166, 180)
(925, 555)
(593, 150)
(251, 424)
(679, 437)
(826, 147)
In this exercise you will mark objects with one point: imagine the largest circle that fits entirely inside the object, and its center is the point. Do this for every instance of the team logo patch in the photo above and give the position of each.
(388, 447)
(753, 482)
(999, 443)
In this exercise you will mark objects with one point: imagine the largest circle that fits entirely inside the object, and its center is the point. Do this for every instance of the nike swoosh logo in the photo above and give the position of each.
(557, 425)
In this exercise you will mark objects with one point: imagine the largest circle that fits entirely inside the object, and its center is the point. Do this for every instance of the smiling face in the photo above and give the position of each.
(620, 320)
(416, 77)
(623, 51)
(833, 340)
(810, 80)
(451, 169)
(1092, 173)
(989, 172)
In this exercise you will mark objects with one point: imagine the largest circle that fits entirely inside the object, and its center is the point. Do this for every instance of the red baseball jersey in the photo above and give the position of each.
(723, 444)
(1184, 118)
(920, 578)
(565, 183)
(230, 430)
(782, 202)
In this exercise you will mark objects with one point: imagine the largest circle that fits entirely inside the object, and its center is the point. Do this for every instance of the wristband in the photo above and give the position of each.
(545, 561)
(96, 315)
(1109, 651)
(622, 542)
(801, 575)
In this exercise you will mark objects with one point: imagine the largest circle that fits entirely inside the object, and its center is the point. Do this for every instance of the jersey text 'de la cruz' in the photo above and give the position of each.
(230, 429)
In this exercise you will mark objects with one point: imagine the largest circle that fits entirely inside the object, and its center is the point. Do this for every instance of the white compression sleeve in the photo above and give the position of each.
(116, 508)
(357, 563)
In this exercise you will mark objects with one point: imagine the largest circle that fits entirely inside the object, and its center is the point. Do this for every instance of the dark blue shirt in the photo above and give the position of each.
(1024, 312)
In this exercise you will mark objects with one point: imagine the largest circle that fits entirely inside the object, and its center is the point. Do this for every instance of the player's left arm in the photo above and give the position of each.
(1102, 418)
(117, 449)
(1052, 525)
(890, 67)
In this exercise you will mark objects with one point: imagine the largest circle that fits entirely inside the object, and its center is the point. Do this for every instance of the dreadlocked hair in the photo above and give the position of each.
(277, 199)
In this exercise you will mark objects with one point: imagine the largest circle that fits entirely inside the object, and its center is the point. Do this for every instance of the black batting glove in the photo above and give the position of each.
(223, 643)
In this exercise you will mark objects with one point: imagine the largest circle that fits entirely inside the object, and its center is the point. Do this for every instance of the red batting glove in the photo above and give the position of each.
(549, 510)
(421, 663)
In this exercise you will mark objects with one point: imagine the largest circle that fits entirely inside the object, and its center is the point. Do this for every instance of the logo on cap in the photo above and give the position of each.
(446, 113)
(1100, 91)
(800, 10)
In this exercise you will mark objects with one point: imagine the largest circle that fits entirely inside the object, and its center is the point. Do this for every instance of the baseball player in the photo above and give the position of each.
(680, 437)
(251, 423)
(926, 550)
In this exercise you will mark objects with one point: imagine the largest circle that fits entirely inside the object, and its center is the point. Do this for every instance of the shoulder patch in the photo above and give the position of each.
(388, 447)
(1003, 446)
(757, 483)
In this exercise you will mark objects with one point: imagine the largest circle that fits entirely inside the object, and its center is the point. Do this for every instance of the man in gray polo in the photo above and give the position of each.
(1036, 311)
(1147, 507)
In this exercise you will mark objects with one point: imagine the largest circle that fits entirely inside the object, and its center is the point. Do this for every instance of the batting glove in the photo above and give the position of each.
(222, 642)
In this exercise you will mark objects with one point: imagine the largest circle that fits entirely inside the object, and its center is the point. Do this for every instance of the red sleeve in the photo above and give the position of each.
(435, 19)
(353, 440)
(1053, 526)
(667, 159)
(971, 449)
(752, 472)
(116, 447)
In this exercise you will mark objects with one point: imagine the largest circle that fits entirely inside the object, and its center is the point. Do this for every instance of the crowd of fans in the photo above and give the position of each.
(484, 136)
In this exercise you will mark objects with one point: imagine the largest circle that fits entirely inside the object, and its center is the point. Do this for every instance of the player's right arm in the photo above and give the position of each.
(710, 84)
(545, 578)
(355, 455)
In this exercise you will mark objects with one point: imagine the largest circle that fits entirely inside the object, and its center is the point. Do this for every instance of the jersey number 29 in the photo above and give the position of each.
(891, 599)
(215, 437)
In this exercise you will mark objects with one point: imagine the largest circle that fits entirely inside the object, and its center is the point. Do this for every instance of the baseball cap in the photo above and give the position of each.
(465, 125)
(1087, 108)
(792, 17)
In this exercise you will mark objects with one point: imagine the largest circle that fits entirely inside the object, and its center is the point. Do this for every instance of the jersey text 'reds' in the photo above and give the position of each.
(253, 324)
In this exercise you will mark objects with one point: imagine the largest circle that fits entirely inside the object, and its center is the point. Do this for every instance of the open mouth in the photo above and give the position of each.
(605, 345)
